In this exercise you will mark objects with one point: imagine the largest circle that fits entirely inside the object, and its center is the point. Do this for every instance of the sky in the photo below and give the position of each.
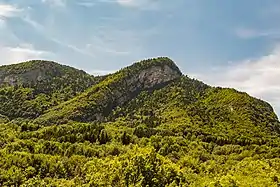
(232, 43)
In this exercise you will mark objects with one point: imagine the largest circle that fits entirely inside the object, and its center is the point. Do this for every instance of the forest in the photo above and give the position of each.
(147, 125)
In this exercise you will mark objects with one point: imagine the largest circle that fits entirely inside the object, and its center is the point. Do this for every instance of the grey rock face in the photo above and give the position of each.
(145, 79)
(152, 77)
(116, 90)
(23, 78)
(157, 75)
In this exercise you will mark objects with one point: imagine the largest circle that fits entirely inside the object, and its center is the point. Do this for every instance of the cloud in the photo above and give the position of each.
(72, 47)
(12, 48)
(57, 3)
(86, 3)
(130, 2)
(106, 42)
(258, 77)
(7, 10)
(246, 33)
(142, 4)
(114, 42)
(2, 23)
(101, 72)
(105, 48)
(44, 31)
(139, 4)
(21, 53)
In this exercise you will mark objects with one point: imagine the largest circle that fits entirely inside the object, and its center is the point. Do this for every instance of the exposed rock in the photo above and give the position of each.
(116, 90)
(28, 72)
(25, 77)
(153, 76)
(150, 78)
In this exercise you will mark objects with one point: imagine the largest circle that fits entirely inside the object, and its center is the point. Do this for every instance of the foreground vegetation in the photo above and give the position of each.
(184, 133)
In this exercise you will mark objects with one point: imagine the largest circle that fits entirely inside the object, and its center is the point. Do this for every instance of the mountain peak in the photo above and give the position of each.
(153, 72)
(26, 73)
(155, 62)
(118, 89)
(145, 112)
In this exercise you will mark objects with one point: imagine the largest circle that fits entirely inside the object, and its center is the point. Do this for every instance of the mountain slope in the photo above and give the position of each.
(28, 89)
(220, 115)
(145, 125)
(36, 72)
(117, 89)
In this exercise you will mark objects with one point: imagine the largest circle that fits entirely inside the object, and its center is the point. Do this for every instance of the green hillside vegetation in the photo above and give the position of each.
(145, 125)
(98, 101)
(39, 85)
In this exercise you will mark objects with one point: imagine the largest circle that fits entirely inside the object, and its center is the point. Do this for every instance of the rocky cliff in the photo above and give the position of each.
(63, 130)
(28, 89)
(37, 71)
(28, 72)
(115, 90)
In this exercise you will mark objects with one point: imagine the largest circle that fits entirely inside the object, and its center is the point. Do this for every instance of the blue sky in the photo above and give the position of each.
(232, 43)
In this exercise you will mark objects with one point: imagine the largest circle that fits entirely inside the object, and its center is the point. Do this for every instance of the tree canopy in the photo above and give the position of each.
(181, 133)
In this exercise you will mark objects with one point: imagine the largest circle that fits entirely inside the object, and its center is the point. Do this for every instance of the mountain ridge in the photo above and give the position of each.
(144, 125)
(32, 71)
(135, 78)
(28, 82)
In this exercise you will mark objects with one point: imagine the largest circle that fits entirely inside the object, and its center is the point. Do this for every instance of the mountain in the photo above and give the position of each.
(117, 89)
(28, 89)
(145, 125)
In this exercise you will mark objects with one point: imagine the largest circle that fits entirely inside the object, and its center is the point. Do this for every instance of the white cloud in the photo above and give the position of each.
(7, 10)
(57, 3)
(114, 42)
(21, 53)
(2, 23)
(72, 47)
(140, 4)
(247, 33)
(44, 30)
(101, 72)
(86, 3)
(258, 77)
(129, 2)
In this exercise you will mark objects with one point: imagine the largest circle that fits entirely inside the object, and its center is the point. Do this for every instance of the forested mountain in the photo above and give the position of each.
(28, 89)
(145, 125)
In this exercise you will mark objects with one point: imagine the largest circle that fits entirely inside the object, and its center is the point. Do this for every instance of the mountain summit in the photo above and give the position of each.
(117, 89)
(144, 125)
(34, 71)
(43, 84)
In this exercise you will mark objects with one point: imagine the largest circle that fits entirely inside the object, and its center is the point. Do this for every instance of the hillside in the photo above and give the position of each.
(145, 125)
(28, 89)
(98, 101)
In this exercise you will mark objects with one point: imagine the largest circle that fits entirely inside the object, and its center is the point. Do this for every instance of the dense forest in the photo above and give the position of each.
(145, 125)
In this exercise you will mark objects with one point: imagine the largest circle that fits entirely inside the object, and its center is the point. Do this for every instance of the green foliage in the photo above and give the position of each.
(97, 102)
(103, 137)
(29, 89)
(125, 138)
(70, 130)
(3, 119)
